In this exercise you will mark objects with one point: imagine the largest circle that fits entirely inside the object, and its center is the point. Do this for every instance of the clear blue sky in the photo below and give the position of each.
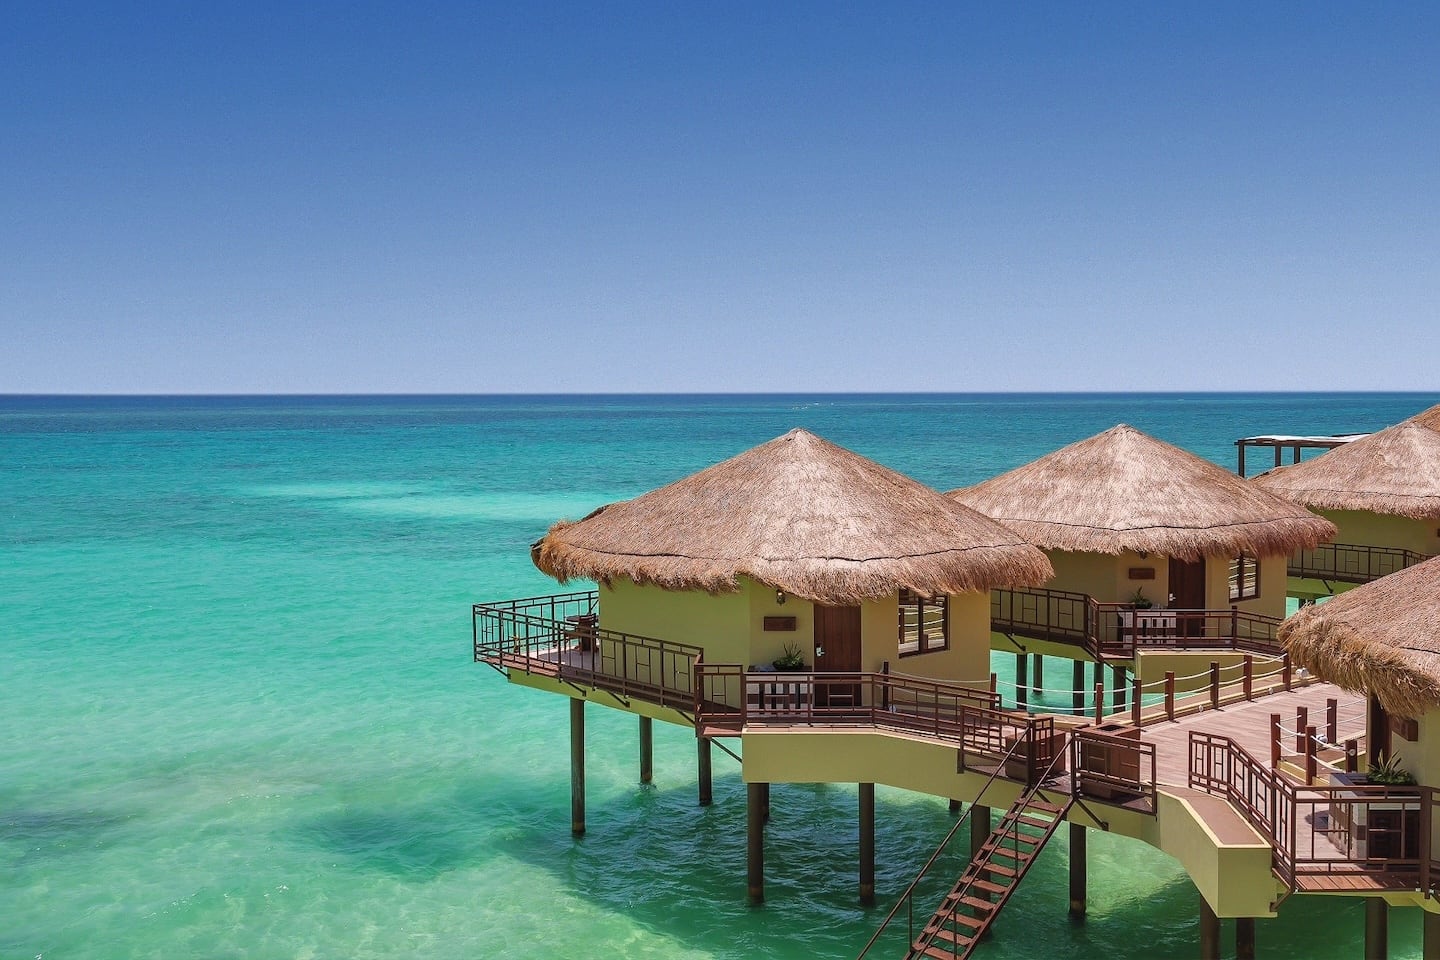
(418, 197)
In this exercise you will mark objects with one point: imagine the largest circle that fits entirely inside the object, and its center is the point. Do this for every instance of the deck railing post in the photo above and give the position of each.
(1302, 717)
(1427, 811)
(1135, 701)
(1214, 685)
(1310, 764)
(1332, 720)
(1169, 695)
(885, 685)
(1234, 624)
(1274, 740)
(1099, 700)
(1249, 677)
(1285, 670)
(1352, 756)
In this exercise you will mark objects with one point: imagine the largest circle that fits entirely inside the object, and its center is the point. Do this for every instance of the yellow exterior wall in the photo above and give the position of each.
(1107, 578)
(1384, 530)
(1270, 602)
(730, 627)
(968, 659)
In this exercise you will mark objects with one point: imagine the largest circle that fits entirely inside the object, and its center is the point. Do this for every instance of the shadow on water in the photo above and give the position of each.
(35, 835)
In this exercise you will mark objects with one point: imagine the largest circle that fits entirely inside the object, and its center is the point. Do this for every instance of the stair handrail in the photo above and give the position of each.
(1031, 791)
(908, 895)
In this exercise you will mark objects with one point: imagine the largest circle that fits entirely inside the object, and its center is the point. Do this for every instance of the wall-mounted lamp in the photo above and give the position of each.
(780, 597)
(1143, 554)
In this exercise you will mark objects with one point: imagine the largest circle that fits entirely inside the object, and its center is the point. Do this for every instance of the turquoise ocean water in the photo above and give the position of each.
(238, 716)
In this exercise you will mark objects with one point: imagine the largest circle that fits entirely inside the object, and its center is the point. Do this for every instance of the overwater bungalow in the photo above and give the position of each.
(1381, 491)
(1382, 640)
(1157, 553)
(830, 616)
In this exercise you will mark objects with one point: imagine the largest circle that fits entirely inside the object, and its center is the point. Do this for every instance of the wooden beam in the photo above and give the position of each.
(867, 844)
(1078, 685)
(755, 842)
(1209, 932)
(703, 763)
(647, 750)
(1022, 692)
(1077, 872)
(979, 827)
(1377, 928)
(1244, 938)
(1430, 938)
(577, 766)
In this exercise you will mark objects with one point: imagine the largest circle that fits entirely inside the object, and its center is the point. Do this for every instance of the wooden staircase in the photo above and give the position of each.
(992, 876)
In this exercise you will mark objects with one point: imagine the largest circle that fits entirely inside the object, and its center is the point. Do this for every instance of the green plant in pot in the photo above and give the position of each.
(1388, 772)
(1139, 601)
(790, 659)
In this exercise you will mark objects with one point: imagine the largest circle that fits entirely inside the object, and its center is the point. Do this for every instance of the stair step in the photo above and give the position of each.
(1019, 856)
(942, 953)
(1029, 838)
(988, 887)
(951, 936)
(975, 903)
(1042, 805)
(1034, 821)
(999, 869)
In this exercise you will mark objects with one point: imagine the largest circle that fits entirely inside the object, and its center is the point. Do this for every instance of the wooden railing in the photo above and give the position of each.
(1113, 768)
(1379, 831)
(1117, 630)
(1351, 563)
(560, 637)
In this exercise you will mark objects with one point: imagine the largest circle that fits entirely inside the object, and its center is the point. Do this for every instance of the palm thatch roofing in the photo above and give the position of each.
(1123, 490)
(799, 514)
(1394, 471)
(1428, 418)
(1382, 638)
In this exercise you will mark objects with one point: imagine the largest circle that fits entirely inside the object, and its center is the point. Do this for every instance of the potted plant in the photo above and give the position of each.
(1139, 601)
(790, 659)
(1389, 773)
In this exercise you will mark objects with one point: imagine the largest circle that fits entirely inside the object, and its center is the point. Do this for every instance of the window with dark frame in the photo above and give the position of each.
(924, 624)
(1244, 578)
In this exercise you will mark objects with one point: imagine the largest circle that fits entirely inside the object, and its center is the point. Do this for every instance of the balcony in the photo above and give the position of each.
(1351, 563)
(1118, 630)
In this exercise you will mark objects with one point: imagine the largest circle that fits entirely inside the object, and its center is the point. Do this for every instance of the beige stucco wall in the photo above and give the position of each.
(1107, 578)
(1383, 530)
(1270, 602)
(730, 627)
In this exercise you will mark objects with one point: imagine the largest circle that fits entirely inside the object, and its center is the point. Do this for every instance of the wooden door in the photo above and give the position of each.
(1187, 586)
(837, 650)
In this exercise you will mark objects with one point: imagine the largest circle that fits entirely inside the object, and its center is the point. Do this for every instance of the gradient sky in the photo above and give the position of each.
(415, 197)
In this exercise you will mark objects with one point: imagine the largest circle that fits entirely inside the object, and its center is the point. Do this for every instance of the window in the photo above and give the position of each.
(1244, 578)
(924, 624)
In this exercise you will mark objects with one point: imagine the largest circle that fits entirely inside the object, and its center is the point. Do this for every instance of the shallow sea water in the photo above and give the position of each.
(239, 716)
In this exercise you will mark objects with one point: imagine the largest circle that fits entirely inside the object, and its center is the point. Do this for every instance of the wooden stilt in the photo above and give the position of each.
(1377, 928)
(1244, 938)
(979, 827)
(1037, 675)
(703, 762)
(755, 842)
(1022, 693)
(1430, 937)
(1117, 674)
(1078, 686)
(867, 844)
(1209, 932)
(765, 796)
(577, 766)
(1077, 872)
(954, 806)
(1377, 732)
(647, 750)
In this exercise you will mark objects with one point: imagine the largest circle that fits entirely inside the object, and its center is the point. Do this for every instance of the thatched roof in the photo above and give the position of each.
(1428, 418)
(801, 514)
(1123, 490)
(1382, 638)
(1393, 471)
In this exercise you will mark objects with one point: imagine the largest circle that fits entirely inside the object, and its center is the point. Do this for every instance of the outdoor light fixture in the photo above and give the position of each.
(780, 597)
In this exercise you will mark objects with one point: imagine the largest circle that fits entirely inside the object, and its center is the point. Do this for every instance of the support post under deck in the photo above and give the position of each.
(979, 827)
(1244, 938)
(1430, 937)
(703, 764)
(1078, 685)
(577, 766)
(1209, 932)
(1117, 674)
(1377, 928)
(647, 750)
(1077, 872)
(1022, 684)
(867, 844)
(755, 842)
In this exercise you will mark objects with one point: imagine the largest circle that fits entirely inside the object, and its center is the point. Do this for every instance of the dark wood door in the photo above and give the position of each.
(837, 650)
(1187, 587)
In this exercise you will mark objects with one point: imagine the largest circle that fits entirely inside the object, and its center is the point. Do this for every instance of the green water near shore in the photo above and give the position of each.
(240, 717)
